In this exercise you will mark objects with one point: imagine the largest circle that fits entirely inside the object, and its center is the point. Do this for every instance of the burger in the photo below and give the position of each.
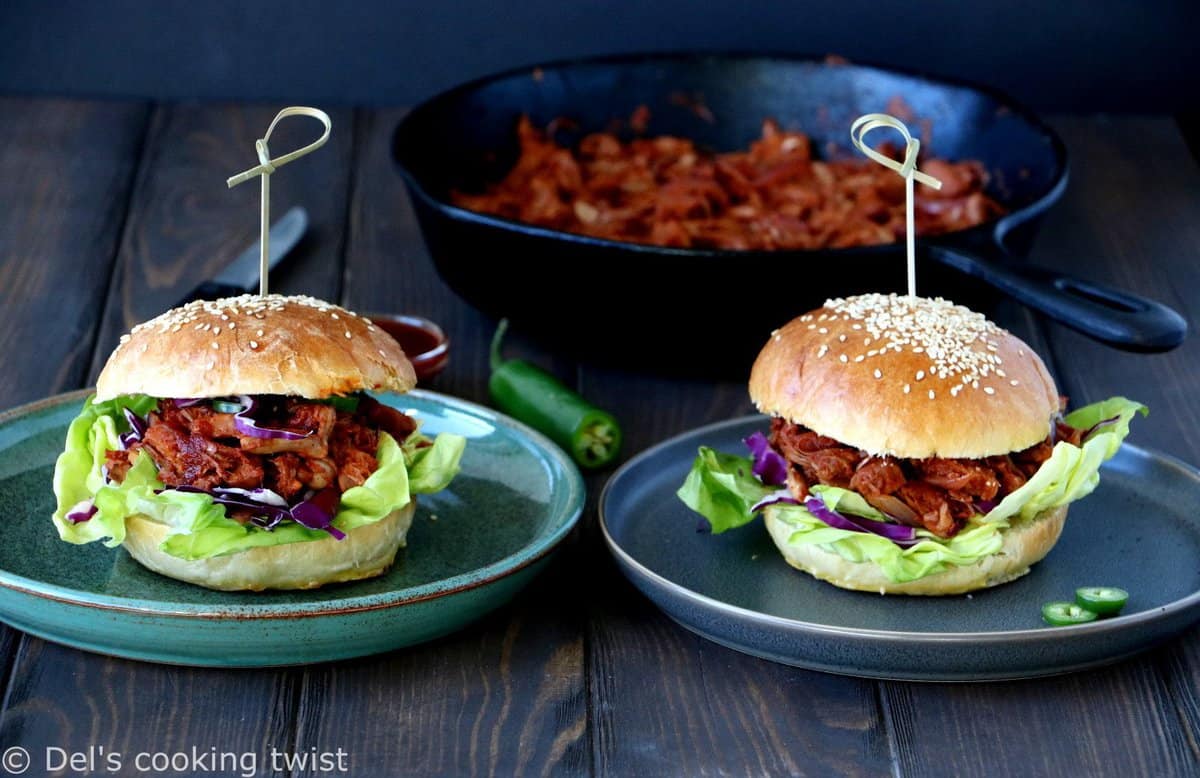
(914, 447)
(232, 444)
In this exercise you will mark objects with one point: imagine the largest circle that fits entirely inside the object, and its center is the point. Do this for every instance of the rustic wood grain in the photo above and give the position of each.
(1116, 721)
(1137, 207)
(74, 700)
(505, 696)
(1129, 219)
(580, 674)
(68, 166)
(185, 225)
(667, 702)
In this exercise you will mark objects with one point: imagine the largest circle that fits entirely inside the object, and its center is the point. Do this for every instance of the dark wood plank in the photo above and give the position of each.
(1138, 207)
(74, 700)
(1117, 721)
(1130, 218)
(183, 225)
(68, 168)
(665, 701)
(505, 696)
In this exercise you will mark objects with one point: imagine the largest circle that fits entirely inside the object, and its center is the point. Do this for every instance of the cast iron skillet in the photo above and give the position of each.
(683, 308)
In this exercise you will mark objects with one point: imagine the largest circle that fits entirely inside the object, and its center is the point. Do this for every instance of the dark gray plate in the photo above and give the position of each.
(1140, 530)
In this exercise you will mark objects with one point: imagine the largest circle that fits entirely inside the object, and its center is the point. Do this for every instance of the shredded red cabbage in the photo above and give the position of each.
(248, 426)
(986, 506)
(315, 511)
(81, 512)
(184, 402)
(770, 467)
(318, 511)
(783, 495)
(137, 428)
(898, 534)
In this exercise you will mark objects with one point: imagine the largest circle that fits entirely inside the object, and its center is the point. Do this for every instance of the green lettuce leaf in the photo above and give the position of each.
(722, 489)
(199, 528)
(1072, 472)
(931, 555)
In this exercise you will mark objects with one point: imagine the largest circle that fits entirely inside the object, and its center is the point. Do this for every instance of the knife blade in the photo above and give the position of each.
(241, 274)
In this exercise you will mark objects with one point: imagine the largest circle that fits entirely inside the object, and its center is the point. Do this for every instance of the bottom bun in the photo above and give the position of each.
(364, 552)
(1026, 542)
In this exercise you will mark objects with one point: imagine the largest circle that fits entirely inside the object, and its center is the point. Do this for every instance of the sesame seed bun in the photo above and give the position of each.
(365, 552)
(910, 377)
(297, 346)
(1026, 542)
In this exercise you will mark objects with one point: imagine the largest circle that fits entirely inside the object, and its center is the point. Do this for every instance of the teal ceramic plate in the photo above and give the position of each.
(470, 549)
(1140, 530)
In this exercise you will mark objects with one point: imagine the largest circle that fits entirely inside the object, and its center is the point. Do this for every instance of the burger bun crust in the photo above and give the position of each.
(365, 552)
(1026, 543)
(297, 346)
(907, 377)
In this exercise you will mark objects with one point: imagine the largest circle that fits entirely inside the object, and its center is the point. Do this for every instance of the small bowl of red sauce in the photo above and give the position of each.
(423, 341)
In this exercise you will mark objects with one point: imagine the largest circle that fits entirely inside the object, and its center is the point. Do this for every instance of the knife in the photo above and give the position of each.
(241, 275)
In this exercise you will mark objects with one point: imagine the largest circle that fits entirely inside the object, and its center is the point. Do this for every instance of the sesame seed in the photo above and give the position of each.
(954, 390)
(878, 373)
(348, 334)
(842, 338)
(842, 358)
(822, 351)
(1015, 382)
(859, 358)
(233, 325)
(381, 353)
(988, 390)
(812, 326)
(920, 375)
(254, 344)
(777, 338)
(823, 330)
(931, 395)
(370, 328)
(259, 333)
(216, 345)
(956, 339)
(907, 388)
(334, 315)
(216, 330)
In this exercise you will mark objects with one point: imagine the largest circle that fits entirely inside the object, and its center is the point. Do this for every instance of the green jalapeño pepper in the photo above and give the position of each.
(591, 436)
(1064, 614)
(1104, 600)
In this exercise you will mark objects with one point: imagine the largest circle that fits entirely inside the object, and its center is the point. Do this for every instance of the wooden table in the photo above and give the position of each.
(110, 210)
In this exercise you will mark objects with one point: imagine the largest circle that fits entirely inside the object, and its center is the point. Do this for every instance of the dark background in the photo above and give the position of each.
(1060, 55)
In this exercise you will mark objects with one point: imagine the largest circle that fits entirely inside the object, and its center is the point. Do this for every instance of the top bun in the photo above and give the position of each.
(908, 377)
(297, 346)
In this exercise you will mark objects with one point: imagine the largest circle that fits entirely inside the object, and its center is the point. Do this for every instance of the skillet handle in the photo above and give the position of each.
(1109, 315)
